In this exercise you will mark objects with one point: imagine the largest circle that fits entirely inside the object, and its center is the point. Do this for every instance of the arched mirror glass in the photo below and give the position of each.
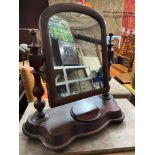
(74, 46)
(77, 61)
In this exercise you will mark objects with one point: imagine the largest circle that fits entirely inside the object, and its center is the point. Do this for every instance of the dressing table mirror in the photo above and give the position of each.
(76, 60)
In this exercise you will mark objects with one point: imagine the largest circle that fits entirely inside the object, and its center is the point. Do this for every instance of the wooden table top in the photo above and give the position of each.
(124, 78)
(118, 90)
(115, 137)
(117, 69)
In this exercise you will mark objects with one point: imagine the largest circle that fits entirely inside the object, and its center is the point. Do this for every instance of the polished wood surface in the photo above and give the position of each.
(61, 125)
(35, 61)
(124, 78)
(58, 126)
(121, 67)
(117, 69)
(115, 138)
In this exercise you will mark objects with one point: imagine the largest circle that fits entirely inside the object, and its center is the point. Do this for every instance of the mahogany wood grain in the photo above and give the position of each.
(84, 113)
(124, 78)
(60, 127)
(117, 69)
(114, 138)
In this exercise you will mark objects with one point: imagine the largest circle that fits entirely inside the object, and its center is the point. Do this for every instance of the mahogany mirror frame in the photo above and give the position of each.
(57, 127)
(48, 58)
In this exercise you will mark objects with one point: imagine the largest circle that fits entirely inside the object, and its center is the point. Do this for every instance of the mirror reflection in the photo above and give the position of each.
(76, 53)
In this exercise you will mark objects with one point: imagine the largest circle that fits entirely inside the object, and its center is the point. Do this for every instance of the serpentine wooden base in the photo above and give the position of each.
(61, 125)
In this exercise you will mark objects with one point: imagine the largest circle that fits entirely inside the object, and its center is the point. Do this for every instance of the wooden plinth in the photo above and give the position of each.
(114, 138)
(63, 124)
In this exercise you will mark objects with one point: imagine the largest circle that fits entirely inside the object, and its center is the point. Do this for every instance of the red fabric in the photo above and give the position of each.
(128, 22)
(82, 1)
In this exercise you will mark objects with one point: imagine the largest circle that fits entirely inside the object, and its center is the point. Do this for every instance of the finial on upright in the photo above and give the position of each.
(36, 61)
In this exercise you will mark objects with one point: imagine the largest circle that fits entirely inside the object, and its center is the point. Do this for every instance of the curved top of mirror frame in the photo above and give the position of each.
(47, 51)
(78, 21)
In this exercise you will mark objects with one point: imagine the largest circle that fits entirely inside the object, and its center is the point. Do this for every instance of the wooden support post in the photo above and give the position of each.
(35, 61)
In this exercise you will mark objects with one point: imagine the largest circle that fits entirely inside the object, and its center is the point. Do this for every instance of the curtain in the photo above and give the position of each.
(128, 20)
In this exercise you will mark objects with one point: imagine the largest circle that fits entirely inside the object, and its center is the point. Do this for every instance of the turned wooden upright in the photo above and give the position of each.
(35, 61)
(110, 53)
